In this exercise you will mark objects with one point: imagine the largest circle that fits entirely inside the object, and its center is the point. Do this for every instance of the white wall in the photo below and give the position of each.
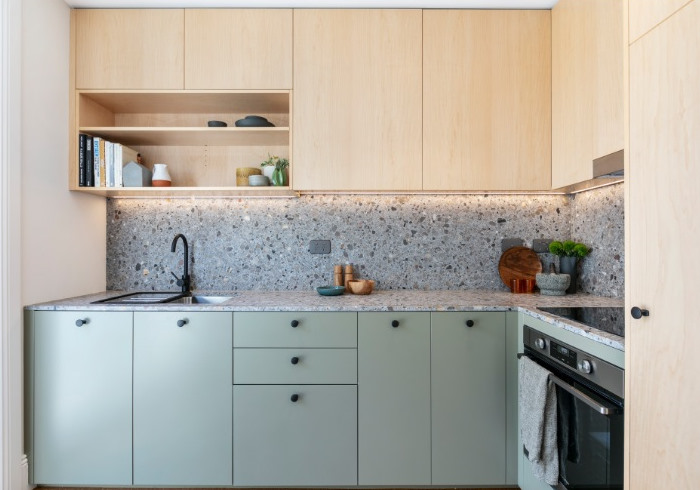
(63, 233)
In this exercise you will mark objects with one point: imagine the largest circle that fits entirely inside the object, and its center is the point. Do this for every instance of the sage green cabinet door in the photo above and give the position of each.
(393, 398)
(182, 398)
(308, 442)
(82, 398)
(468, 398)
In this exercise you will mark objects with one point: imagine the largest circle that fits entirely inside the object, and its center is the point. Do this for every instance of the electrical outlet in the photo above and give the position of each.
(541, 245)
(320, 246)
(507, 243)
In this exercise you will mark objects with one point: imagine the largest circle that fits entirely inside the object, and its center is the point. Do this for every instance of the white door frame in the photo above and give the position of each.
(13, 469)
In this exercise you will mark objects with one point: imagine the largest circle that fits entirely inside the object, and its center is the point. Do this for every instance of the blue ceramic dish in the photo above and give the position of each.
(330, 290)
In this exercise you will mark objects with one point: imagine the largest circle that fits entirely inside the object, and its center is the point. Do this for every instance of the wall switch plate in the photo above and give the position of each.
(541, 245)
(320, 246)
(507, 243)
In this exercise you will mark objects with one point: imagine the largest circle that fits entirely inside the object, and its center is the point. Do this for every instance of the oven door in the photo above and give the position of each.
(590, 434)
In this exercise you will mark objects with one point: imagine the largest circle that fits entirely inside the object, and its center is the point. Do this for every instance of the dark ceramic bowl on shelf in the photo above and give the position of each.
(330, 290)
(254, 122)
(216, 124)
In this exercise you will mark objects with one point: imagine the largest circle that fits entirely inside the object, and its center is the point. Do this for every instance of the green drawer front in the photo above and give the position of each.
(294, 329)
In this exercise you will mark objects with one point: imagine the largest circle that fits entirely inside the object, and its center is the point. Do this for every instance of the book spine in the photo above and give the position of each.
(109, 163)
(96, 160)
(89, 165)
(118, 166)
(103, 169)
(81, 160)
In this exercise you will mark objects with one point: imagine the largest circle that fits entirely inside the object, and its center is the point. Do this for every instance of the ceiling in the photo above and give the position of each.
(457, 4)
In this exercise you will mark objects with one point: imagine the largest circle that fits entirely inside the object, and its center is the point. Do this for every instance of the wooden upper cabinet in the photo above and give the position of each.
(486, 100)
(129, 49)
(587, 86)
(357, 100)
(644, 15)
(244, 49)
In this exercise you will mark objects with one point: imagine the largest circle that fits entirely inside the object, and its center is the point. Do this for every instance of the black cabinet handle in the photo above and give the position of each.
(295, 360)
(295, 323)
(638, 313)
(469, 323)
(294, 398)
(183, 322)
(80, 322)
(395, 323)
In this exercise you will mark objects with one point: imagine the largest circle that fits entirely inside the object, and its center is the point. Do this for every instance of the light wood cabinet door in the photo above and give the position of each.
(82, 398)
(468, 383)
(644, 15)
(295, 435)
(129, 49)
(486, 100)
(393, 398)
(587, 86)
(664, 172)
(357, 100)
(248, 49)
(182, 398)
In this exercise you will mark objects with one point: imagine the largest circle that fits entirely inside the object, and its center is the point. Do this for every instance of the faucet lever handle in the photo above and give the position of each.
(179, 281)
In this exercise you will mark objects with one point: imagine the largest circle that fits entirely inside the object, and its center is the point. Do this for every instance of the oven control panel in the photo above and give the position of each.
(563, 354)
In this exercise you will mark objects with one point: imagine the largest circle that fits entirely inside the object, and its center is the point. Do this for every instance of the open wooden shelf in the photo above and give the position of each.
(181, 192)
(189, 136)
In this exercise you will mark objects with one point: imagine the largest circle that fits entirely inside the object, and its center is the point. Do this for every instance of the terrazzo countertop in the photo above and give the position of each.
(391, 300)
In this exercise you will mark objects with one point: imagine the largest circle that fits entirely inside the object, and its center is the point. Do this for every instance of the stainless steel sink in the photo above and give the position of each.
(142, 298)
(201, 300)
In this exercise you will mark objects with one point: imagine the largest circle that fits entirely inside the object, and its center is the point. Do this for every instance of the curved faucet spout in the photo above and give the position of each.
(184, 281)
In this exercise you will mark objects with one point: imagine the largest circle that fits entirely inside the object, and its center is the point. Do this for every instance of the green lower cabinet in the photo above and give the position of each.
(182, 398)
(80, 391)
(295, 435)
(394, 398)
(468, 398)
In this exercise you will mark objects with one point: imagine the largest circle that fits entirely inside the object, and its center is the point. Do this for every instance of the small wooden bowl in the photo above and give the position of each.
(361, 286)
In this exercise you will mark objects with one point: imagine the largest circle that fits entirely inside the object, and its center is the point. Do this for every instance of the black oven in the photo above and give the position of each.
(590, 413)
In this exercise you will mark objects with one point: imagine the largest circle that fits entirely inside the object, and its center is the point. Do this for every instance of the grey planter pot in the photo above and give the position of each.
(568, 265)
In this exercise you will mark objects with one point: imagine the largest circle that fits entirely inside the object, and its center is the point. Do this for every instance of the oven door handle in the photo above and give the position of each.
(594, 404)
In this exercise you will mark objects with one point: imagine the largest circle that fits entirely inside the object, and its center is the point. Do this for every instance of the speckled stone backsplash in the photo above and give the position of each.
(415, 242)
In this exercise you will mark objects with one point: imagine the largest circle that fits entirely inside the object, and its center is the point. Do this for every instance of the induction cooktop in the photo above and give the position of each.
(607, 318)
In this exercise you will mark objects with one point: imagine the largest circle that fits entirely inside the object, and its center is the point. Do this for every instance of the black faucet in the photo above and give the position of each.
(184, 281)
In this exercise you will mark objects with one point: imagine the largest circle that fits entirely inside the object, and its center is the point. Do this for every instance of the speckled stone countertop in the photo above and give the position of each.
(393, 300)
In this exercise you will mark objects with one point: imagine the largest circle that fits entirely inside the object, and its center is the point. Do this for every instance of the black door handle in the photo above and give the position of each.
(294, 398)
(295, 323)
(638, 313)
(295, 360)
(80, 322)
(395, 323)
(469, 323)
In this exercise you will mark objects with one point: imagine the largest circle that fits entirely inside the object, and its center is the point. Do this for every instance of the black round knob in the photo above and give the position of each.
(295, 323)
(183, 322)
(395, 323)
(295, 398)
(295, 360)
(80, 322)
(470, 323)
(638, 313)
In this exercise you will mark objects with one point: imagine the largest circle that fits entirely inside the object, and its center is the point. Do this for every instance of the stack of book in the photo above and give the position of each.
(100, 162)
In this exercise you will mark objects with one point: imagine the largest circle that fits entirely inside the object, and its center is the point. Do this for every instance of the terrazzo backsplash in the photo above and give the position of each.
(403, 242)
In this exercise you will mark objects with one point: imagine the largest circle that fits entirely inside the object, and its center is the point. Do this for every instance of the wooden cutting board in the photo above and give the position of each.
(518, 263)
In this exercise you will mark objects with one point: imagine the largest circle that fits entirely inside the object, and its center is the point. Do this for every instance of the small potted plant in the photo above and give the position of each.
(275, 169)
(569, 252)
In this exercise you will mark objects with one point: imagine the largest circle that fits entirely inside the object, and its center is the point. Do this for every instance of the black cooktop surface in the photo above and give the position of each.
(607, 318)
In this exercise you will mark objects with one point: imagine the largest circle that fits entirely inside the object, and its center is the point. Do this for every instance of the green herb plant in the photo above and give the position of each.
(569, 248)
(279, 176)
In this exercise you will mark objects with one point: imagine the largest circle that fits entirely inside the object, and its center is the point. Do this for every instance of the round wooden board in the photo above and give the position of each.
(518, 263)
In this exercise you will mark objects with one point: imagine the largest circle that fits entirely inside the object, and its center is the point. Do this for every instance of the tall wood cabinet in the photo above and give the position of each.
(486, 100)
(587, 87)
(357, 99)
(661, 212)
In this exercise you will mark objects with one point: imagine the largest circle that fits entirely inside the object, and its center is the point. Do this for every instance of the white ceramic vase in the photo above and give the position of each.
(267, 171)
(161, 176)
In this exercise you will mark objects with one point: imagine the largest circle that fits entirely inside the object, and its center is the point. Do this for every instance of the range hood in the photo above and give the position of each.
(612, 165)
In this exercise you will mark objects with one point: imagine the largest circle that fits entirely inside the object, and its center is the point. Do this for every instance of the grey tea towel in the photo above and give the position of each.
(537, 400)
